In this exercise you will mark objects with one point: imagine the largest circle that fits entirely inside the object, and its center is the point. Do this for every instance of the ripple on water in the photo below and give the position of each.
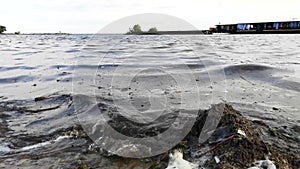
(16, 79)
(72, 51)
(27, 53)
(16, 68)
(19, 59)
(33, 131)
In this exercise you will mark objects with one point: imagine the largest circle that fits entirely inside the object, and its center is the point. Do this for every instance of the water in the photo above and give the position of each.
(257, 74)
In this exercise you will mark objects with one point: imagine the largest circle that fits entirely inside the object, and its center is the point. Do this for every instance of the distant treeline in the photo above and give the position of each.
(138, 30)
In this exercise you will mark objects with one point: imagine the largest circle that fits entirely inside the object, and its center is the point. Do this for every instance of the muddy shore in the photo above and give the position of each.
(67, 146)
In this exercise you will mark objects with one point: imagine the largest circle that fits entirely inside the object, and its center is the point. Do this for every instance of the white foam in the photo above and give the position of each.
(43, 143)
(6, 149)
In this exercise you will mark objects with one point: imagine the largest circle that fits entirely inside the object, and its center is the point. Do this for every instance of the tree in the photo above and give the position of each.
(152, 30)
(137, 28)
(2, 29)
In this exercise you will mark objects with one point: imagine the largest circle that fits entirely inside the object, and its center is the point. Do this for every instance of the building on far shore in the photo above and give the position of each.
(259, 28)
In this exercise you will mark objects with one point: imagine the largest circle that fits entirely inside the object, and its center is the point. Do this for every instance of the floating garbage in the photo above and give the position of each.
(264, 164)
(220, 134)
(217, 159)
(238, 149)
(241, 132)
(176, 161)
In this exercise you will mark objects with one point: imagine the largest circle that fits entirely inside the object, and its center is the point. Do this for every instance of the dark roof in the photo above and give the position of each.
(257, 23)
(226, 24)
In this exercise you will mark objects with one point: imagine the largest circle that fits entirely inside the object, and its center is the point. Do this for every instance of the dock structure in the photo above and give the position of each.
(283, 27)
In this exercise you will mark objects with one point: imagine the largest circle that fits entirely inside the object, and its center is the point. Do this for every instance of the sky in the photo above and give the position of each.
(90, 16)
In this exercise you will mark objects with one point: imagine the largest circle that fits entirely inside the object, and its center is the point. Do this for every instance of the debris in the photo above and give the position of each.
(237, 152)
(176, 161)
(217, 159)
(241, 132)
(216, 146)
(261, 164)
(229, 150)
(220, 134)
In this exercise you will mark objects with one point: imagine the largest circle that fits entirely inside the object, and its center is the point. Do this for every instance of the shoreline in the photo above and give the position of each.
(237, 142)
(36, 34)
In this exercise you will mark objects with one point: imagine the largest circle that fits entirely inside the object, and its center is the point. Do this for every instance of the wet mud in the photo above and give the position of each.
(237, 142)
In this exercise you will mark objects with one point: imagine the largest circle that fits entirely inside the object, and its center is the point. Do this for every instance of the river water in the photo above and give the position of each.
(40, 75)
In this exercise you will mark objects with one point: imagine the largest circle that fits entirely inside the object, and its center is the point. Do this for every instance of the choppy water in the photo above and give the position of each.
(258, 74)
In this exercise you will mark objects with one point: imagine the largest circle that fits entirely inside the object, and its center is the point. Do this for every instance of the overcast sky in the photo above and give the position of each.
(89, 16)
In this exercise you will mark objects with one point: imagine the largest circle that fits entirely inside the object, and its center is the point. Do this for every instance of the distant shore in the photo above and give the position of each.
(36, 34)
(186, 32)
